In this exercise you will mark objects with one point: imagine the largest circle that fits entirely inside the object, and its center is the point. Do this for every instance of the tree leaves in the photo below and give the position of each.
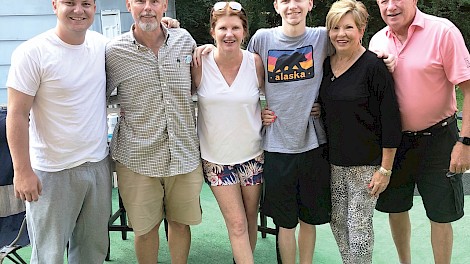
(194, 15)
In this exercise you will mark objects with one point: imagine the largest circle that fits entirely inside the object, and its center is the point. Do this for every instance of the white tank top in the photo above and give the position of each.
(229, 117)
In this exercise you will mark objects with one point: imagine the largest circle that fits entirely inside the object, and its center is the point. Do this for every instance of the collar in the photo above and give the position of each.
(418, 22)
(135, 42)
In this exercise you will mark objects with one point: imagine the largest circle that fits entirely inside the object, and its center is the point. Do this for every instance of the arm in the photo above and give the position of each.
(380, 48)
(389, 115)
(389, 59)
(460, 157)
(259, 72)
(26, 183)
(110, 85)
(267, 116)
(170, 22)
(196, 75)
(199, 52)
(379, 182)
(316, 110)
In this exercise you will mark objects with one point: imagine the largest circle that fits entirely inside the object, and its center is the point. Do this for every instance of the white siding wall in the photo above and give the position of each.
(22, 19)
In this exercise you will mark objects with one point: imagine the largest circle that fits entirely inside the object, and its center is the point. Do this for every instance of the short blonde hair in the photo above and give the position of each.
(340, 8)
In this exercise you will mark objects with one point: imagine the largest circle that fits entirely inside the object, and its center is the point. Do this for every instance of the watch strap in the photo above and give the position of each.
(464, 140)
(385, 172)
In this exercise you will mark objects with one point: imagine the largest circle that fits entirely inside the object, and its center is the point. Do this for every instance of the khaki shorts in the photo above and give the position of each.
(148, 199)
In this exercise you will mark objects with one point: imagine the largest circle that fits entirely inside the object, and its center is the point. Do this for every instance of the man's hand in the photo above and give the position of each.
(170, 22)
(389, 59)
(460, 158)
(27, 186)
(199, 52)
(267, 116)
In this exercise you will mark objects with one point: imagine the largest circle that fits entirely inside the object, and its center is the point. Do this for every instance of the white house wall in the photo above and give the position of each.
(21, 20)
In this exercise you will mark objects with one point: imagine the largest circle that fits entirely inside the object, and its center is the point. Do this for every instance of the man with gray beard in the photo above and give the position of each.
(155, 144)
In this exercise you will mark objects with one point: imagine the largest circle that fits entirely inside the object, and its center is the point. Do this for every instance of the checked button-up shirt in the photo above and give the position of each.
(156, 134)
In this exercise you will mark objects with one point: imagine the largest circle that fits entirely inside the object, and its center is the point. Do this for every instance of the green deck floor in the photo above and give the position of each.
(210, 244)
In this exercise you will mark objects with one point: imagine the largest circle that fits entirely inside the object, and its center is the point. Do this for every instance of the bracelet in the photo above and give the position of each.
(385, 172)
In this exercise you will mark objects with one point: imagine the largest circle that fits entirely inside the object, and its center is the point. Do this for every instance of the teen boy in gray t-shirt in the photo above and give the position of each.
(297, 174)
(293, 76)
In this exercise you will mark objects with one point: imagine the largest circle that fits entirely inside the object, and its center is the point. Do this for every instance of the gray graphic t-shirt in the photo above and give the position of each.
(293, 72)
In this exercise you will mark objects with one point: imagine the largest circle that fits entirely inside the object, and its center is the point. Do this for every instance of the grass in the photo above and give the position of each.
(210, 243)
(459, 96)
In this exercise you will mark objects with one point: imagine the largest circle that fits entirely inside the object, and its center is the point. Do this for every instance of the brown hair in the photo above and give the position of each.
(228, 11)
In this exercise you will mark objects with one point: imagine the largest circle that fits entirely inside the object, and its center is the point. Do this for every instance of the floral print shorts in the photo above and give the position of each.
(246, 174)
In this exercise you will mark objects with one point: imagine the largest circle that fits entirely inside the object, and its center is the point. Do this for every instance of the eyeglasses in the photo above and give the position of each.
(233, 5)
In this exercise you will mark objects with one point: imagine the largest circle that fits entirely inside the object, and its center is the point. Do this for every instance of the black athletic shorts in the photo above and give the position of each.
(423, 160)
(297, 186)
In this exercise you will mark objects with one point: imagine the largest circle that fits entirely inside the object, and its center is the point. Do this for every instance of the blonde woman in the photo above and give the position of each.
(363, 128)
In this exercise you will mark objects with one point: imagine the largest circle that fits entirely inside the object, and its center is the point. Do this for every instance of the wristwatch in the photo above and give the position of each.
(385, 172)
(464, 140)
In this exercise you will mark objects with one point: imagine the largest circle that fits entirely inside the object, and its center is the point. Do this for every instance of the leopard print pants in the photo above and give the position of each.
(352, 211)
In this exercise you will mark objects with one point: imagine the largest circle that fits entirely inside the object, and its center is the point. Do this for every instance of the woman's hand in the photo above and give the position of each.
(316, 110)
(378, 184)
(267, 116)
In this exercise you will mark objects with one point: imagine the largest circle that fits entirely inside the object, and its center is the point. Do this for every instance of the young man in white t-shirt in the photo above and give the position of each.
(56, 88)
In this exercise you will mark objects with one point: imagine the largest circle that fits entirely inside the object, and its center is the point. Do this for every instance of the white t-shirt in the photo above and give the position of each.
(68, 116)
(229, 117)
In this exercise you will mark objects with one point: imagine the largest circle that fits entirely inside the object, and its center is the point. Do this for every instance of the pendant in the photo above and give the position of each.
(333, 78)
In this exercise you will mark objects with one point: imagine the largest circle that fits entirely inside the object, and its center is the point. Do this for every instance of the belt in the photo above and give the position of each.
(432, 129)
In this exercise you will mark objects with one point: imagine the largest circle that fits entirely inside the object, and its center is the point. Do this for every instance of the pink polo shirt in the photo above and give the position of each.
(432, 60)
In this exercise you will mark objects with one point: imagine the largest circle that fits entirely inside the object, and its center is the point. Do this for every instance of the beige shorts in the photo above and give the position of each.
(149, 199)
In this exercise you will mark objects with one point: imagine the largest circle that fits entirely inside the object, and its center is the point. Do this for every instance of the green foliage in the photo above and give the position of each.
(459, 97)
(456, 11)
(259, 14)
(194, 15)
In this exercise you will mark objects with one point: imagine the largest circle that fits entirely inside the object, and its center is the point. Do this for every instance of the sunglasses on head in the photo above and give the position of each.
(233, 5)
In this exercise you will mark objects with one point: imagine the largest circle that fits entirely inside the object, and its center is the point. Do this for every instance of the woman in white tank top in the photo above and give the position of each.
(229, 126)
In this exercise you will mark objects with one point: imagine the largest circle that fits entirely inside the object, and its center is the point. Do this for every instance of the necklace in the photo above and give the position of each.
(343, 66)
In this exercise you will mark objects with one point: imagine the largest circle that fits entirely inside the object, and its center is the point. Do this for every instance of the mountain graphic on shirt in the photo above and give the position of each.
(290, 65)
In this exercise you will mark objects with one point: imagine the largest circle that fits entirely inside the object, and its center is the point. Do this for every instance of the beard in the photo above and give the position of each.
(148, 26)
